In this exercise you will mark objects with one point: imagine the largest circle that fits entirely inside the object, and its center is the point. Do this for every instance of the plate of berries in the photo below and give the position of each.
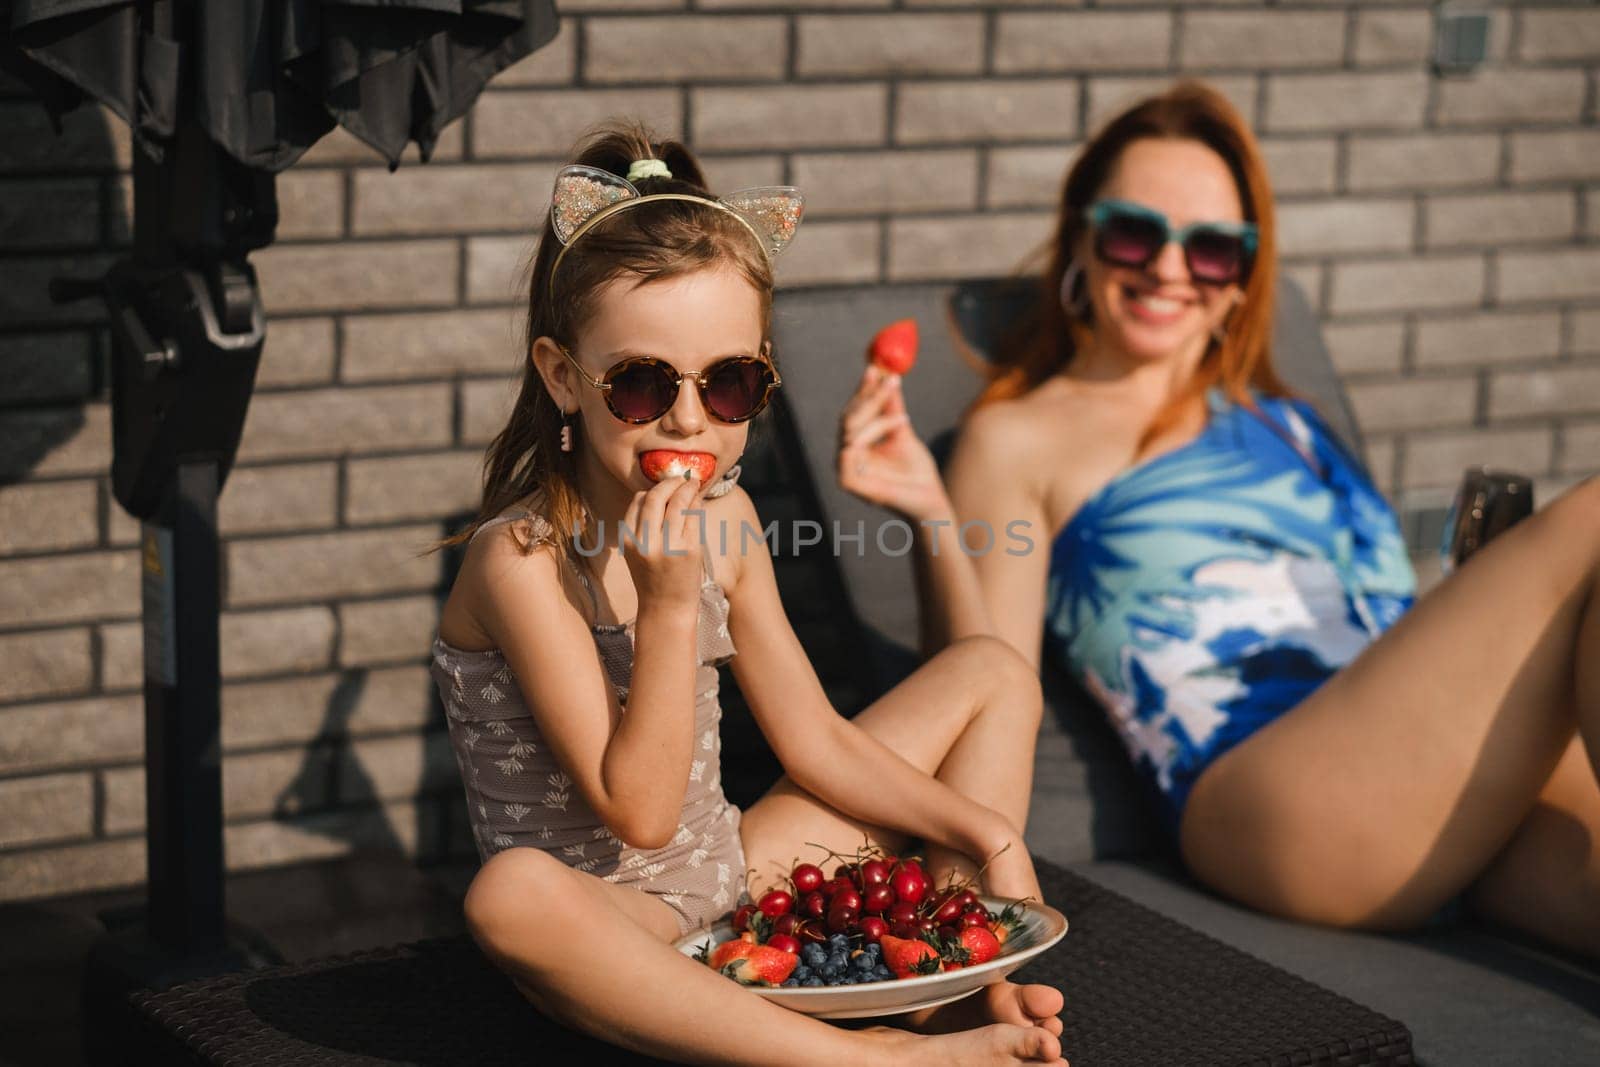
(875, 939)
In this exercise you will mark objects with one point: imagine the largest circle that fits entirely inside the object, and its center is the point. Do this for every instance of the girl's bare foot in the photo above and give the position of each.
(1002, 1002)
(984, 1047)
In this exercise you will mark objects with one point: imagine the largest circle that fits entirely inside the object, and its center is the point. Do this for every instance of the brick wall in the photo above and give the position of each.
(1445, 228)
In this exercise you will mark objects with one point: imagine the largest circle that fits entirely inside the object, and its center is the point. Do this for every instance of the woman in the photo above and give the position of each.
(1223, 578)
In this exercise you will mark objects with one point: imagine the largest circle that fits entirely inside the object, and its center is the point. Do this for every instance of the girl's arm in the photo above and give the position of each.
(823, 753)
(633, 768)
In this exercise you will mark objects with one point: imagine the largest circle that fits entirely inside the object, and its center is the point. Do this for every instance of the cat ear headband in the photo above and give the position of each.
(584, 196)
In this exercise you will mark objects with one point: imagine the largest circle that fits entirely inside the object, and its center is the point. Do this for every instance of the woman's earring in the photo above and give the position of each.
(566, 432)
(1076, 307)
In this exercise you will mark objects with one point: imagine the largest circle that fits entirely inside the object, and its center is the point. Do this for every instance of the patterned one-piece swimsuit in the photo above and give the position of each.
(518, 796)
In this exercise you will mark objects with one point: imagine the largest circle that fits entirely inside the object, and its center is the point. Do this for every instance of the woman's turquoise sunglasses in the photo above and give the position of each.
(1127, 234)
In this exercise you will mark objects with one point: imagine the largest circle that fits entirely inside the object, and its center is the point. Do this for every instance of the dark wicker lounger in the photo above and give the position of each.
(1141, 989)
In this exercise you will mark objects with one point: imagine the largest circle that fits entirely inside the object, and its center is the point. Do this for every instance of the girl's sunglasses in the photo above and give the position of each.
(642, 388)
(1132, 235)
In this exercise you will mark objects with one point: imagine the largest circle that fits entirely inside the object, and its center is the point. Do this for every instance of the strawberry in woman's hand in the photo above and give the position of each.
(659, 463)
(894, 348)
(908, 958)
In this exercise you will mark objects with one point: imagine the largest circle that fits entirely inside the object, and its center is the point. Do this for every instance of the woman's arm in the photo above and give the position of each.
(822, 752)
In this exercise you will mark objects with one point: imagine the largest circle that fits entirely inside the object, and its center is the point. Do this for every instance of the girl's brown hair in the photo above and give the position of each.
(651, 242)
(1241, 359)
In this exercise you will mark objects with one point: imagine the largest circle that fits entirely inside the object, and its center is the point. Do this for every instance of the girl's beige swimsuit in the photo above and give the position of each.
(517, 795)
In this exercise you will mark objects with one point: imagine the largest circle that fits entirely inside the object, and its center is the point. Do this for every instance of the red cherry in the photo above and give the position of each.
(813, 931)
(785, 942)
(840, 918)
(788, 923)
(774, 903)
(974, 918)
(814, 905)
(842, 872)
(874, 872)
(846, 897)
(741, 918)
(877, 899)
(807, 878)
(948, 910)
(905, 931)
(901, 913)
(909, 885)
(873, 928)
(927, 926)
(969, 900)
(831, 887)
(949, 933)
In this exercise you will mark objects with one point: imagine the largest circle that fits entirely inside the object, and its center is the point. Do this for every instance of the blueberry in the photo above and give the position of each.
(801, 971)
(813, 954)
(862, 962)
(812, 982)
(790, 982)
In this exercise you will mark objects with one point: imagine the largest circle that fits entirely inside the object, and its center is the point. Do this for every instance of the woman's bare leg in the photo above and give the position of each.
(970, 717)
(1391, 788)
(595, 957)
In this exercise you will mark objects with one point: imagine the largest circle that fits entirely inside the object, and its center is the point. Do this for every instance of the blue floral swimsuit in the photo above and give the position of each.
(1201, 594)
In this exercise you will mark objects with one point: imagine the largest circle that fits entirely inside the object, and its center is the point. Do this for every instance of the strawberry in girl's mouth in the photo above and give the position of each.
(659, 463)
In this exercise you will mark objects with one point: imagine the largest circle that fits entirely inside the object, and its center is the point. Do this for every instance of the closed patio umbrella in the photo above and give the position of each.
(220, 95)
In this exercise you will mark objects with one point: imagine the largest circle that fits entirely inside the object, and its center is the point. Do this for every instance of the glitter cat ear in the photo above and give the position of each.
(773, 211)
(579, 193)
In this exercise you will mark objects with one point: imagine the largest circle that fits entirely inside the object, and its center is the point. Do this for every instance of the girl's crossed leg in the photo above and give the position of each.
(969, 717)
(1449, 753)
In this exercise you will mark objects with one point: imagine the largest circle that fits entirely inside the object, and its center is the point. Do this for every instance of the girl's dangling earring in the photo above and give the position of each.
(566, 432)
(1075, 305)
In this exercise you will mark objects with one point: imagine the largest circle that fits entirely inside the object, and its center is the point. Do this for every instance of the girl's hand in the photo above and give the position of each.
(881, 459)
(665, 549)
(1011, 873)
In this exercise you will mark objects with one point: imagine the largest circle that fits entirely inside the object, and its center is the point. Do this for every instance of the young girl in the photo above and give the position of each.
(577, 654)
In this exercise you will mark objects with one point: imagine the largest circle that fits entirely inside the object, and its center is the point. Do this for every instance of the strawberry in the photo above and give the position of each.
(659, 463)
(908, 958)
(1007, 923)
(981, 944)
(729, 952)
(763, 965)
(894, 348)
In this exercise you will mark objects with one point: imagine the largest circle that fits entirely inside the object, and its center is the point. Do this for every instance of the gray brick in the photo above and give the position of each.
(1340, 102)
(1512, 96)
(50, 872)
(1550, 274)
(254, 644)
(1328, 226)
(486, 403)
(1489, 337)
(889, 44)
(1422, 161)
(397, 630)
(1580, 448)
(47, 807)
(1071, 42)
(1027, 177)
(1038, 109)
(397, 768)
(297, 352)
(341, 148)
(975, 246)
(1302, 164)
(1407, 284)
(48, 515)
(1261, 40)
(320, 422)
(73, 588)
(673, 48)
(1366, 347)
(554, 64)
(793, 116)
(1555, 155)
(831, 253)
(253, 785)
(44, 664)
(429, 345)
(1380, 455)
(311, 203)
(1308, 276)
(49, 213)
(351, 703)
(347, 277)
(1109, 96)
(1393, 37)
(1490, 219)
(1413, 403)
(727, 173)
(398, 488)
(871, 183)
(548, 123)
(1439, 459)
(1545, 392)
(297, 496)
(91, 139)
(608, 6)
(455, 199)
(44, 736)
(327, 566)
(1556, 34)
(788, 5)
(1586, 332)
(47, 442)
(497, 269)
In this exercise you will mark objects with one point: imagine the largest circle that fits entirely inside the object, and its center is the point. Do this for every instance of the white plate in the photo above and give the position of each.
(1042, 926)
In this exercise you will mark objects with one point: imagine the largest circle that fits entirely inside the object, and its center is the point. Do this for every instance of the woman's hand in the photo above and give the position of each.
(1010, 873)
(881, 459)
(664, 547)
